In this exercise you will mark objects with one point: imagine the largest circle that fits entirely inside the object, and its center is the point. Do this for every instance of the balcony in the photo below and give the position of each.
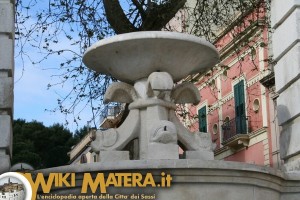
(113, 116)
(268, 80)
(113, 111)
(235, 132)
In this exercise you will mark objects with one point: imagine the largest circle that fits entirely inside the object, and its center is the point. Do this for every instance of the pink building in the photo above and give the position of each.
(237, 98)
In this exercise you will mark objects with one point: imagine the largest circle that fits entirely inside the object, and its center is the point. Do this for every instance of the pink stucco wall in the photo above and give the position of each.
(253, 155)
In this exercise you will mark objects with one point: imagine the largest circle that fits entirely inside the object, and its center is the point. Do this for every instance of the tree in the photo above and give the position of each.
(38, 145)
(80, 133)
(83, 22)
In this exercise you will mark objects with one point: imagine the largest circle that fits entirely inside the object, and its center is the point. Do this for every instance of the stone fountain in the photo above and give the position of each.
(148, 64)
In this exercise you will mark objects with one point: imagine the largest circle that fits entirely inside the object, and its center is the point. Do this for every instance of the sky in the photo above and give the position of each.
(32, 99)
(12, 179)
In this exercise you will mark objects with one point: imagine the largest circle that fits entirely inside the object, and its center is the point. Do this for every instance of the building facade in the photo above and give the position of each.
(238, 99)
(286, 37)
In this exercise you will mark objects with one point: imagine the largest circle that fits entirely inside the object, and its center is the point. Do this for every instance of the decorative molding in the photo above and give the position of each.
(254, 30)
(229, 95)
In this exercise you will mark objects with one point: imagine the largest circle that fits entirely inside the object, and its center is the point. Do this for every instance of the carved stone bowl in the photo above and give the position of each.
(133, 56)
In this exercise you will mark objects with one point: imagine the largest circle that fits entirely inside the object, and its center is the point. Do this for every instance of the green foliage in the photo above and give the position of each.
(41, 146)
(80, 133)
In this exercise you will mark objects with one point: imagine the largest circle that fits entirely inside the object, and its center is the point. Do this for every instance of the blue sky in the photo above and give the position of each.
(31, 96)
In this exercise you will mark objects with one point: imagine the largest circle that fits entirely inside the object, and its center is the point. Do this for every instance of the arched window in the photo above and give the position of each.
(83, 158)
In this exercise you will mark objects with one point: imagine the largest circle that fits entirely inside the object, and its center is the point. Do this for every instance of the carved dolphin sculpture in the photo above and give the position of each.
(120, 92)
(185, 93)
(163, 132)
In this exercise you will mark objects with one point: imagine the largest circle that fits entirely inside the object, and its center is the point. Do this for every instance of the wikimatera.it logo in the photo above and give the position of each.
(14, 186)
(97, 184)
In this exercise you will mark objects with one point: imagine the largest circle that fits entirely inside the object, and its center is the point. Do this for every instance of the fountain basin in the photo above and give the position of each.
(133, 56)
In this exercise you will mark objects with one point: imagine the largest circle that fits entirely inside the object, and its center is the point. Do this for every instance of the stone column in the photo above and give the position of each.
(285, 20)
(6, 81)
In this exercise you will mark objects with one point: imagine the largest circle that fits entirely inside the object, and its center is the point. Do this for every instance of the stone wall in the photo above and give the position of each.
(285, 19)
(6, 81)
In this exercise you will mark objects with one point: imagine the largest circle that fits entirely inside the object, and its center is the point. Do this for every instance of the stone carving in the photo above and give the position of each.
(185, 93)
(151, 94)
(120, 92)
(163, 132)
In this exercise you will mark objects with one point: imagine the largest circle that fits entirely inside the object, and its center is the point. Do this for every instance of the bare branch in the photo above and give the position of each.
(159, 15)
(140, 8)
(116, 17)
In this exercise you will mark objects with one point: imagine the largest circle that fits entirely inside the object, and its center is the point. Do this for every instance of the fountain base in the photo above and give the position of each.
(191, 179)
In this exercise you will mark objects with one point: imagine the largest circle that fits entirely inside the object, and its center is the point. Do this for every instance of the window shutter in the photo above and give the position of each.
(242, 107)
(202, 119)
(240, 114)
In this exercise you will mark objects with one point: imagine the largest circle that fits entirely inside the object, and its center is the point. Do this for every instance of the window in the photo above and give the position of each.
(202, 119)
(83, 159)
(239, 102)
(215, 129)
(226, 120)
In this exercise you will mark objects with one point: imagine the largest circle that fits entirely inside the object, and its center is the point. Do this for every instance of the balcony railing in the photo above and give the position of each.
(233, 127)
(113, 111)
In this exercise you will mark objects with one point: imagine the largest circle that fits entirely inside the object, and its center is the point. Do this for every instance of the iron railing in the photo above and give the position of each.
(235, 126)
